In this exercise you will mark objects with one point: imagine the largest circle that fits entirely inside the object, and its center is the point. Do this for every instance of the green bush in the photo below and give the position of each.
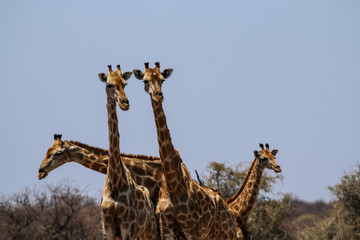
(343, 221)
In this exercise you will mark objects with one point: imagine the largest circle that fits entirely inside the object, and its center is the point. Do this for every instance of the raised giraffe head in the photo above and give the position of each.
(115, 84)
(266, 158)
(55, 156)
(153, 80)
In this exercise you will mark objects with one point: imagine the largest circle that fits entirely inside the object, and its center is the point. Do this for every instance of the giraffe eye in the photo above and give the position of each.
(146, 81)
(57, 154)
(109, 85)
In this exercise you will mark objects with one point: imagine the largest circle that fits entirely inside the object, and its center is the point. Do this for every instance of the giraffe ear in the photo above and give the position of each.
(138, 74)
(66, 144)
(126, 75)
(167, 73)
(102, 77)
(274, 152)
(256, 154)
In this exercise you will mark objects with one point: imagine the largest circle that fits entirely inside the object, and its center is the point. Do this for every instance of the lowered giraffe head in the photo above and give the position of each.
(55, 156)
(266, 158)
(115, 84)
(153, 80)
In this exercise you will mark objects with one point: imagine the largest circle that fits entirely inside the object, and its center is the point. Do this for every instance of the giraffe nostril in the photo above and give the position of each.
(159, 94)
(41, 170)
(125, 101)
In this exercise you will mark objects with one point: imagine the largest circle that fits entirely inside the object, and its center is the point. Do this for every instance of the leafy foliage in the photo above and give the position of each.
(271, 219)
(343, 221)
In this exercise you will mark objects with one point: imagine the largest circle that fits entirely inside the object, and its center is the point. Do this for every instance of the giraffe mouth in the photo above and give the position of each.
(277, 169)
(123, 106)
(123, 103)
(42, 174)
(158, 99)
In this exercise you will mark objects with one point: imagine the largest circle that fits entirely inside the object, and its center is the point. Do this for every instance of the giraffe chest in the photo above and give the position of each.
(131, 210)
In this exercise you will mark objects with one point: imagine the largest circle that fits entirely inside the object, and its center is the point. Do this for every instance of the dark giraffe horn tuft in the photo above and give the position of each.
(261, 146)
(146, 65)
(109, 66)
(157, 64)
(57, 136)
(118, 67)
(267, 146)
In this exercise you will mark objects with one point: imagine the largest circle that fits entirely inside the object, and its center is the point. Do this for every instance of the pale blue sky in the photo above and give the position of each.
(245, 72)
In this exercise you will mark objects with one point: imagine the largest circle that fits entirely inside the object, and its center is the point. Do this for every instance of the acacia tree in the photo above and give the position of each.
(228, 179)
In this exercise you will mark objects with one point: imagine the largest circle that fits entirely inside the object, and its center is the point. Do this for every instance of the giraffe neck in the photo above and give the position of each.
(116, 172)
(170, 159)
(96, 162)
(245, 201)
(246, 179)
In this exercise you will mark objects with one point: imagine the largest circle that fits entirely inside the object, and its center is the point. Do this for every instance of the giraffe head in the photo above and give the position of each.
(266, 158)
(55, 156)
(115, 84)
(153, 80)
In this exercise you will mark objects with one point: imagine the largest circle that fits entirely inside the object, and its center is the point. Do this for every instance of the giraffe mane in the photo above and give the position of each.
(213, 189)
(142, 157)
(90, 148)
(105, 152)
(230, 200)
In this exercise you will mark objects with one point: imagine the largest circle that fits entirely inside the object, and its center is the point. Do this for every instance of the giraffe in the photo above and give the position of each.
(243, 202)
(184, 207)
(145, 170)
(127, 211)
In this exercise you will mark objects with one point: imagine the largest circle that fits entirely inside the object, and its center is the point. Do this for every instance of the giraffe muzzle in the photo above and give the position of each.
(124, 104)
(277, 169)
(42, 173)
(158, 96)
(125, 101)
